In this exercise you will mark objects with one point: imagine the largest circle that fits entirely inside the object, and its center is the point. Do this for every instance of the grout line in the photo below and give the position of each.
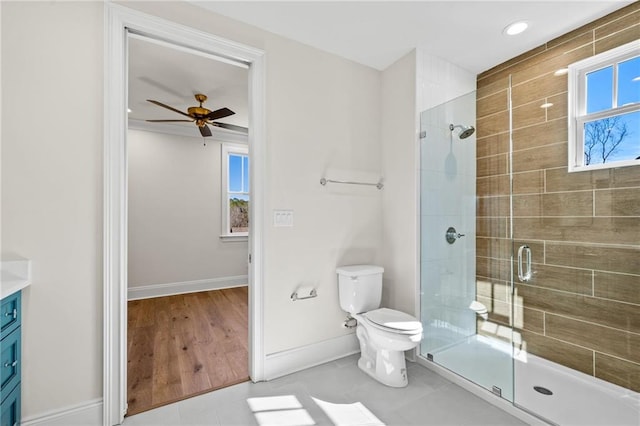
(547, 145)
(616, 357)
(546, 111)
(584, 347)
(593, 323)
(538, 287)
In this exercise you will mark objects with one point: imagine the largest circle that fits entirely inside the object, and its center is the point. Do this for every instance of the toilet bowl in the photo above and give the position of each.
(382, 346)
(384, 334)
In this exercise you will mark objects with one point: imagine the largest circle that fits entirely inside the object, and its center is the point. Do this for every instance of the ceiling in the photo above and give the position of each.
(173, 76)
(376, 34)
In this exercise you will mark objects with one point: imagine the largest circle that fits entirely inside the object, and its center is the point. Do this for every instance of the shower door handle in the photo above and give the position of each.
(524, 276)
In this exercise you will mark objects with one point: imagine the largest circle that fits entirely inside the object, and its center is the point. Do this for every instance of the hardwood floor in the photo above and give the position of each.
(181, 346)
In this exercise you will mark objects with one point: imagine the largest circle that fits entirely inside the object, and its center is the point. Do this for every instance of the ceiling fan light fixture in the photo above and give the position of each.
(515, 28)
(202, 116)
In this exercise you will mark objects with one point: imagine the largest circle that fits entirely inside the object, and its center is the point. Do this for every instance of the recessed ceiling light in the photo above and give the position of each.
(515, 28)
(128, 109)
(561, 71)
(546, 105)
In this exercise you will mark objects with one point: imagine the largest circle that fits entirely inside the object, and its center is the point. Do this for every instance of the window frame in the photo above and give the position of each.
(227, 149)
(577, 95)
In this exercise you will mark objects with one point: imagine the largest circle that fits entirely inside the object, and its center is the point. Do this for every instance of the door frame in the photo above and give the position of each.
(119, 21)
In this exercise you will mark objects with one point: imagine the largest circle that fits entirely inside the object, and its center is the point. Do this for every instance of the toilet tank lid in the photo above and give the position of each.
(359, 270)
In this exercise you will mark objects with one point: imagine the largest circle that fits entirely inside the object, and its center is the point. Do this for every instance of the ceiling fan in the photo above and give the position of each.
(202, 116)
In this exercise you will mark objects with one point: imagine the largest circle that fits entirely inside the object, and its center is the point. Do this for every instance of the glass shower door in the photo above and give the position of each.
(465, 313)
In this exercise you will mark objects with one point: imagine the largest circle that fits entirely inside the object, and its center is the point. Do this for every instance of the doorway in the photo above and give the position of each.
(121, 22)
(187, 204)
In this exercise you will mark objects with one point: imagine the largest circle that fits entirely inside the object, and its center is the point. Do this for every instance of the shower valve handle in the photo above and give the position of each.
(452, 235)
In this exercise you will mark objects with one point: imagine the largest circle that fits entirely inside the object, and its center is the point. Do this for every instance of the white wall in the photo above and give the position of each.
(323, 115)
(175, 217)
(400, 168)
(323, 112)
(52, 193)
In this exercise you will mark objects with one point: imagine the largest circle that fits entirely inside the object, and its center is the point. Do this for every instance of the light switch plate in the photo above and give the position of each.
(283, 218)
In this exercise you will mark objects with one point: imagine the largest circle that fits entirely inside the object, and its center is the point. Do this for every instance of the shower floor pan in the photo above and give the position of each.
(575, 399)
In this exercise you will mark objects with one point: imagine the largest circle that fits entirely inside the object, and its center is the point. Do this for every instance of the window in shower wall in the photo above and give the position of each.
(604, 113)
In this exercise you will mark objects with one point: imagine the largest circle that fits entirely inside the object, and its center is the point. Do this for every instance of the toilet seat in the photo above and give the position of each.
(392, 321)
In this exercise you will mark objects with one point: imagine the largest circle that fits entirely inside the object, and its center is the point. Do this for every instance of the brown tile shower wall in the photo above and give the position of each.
(582, 306)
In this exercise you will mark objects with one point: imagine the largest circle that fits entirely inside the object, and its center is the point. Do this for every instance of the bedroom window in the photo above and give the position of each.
(235, 190)
(604, 110)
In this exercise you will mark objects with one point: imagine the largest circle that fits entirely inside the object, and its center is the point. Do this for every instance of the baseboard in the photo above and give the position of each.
(479, 391)
(286, 362)
(88, 413)
(170, 289)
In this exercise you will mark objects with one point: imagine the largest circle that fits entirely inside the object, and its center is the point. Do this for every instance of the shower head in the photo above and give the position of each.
(465, 131)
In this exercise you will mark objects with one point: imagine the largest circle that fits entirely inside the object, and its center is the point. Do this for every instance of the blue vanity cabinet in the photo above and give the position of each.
(10, 359)
(10, 408)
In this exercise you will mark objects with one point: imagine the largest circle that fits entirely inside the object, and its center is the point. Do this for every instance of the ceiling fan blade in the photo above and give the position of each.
(219, 113)
(168, 107)
(205, 131)
(231, 127)
(170, 121)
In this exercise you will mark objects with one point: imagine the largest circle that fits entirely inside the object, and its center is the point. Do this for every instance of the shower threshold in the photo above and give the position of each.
(484, 360)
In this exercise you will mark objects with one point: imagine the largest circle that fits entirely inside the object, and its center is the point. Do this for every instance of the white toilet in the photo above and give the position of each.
(384, 334)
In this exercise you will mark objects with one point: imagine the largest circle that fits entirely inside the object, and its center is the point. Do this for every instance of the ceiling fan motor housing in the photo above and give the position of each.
(197, 112)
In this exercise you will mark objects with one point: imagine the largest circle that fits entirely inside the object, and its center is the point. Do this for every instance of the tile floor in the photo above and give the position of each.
(428, 400)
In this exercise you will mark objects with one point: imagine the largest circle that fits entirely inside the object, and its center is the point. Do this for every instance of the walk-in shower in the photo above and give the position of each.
(509, 299)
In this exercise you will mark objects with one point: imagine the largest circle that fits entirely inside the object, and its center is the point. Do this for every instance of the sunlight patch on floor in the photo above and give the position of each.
(354, 414)
(283, 410)
(286, 410)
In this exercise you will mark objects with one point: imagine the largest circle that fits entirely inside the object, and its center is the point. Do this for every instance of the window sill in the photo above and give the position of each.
(234, 238)
(612, 165)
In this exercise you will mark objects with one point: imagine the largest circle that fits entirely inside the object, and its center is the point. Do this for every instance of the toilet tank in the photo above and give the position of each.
(359, 287)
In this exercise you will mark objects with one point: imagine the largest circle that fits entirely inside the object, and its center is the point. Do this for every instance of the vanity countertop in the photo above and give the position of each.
(15, 274)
